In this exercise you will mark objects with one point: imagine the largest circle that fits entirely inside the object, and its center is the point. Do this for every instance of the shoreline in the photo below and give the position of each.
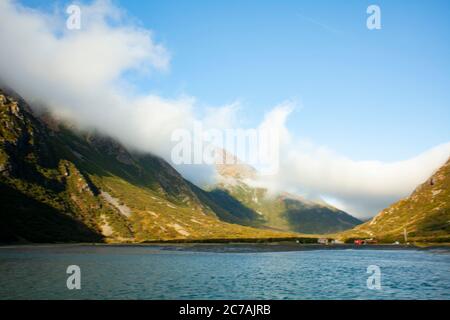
(237, 247)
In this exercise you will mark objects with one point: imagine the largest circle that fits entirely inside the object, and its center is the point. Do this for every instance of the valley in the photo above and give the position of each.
(59, 184)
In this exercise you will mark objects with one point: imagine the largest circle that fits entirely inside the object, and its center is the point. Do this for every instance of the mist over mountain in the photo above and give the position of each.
(88, 78)
(62, 184)
(278, 211)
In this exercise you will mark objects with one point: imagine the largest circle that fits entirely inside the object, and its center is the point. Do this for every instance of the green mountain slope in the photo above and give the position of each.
(62, 185)
(285, 211)
(425, 214)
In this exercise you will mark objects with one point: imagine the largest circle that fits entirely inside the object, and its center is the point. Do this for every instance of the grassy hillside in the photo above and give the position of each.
(425, 214)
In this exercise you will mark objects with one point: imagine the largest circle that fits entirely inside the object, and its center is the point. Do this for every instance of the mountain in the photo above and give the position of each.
(282, 211)
(425, 214)
(58, 184)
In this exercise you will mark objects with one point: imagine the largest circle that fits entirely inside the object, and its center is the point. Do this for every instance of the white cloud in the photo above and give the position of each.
(222, 118)
(362, 188)
(82, 75)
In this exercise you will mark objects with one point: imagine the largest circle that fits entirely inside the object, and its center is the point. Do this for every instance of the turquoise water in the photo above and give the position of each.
(157, 273)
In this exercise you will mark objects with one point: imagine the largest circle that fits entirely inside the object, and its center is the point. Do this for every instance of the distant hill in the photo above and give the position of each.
(60, 185)
(425, 214)
(282, 211)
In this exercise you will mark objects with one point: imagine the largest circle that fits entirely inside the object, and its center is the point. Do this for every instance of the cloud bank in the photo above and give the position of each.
(84, 76)
(362, 188)
(81, 75)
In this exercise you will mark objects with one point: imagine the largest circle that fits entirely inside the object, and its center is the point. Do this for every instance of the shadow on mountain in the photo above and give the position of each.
(23, 219)
(227, 208)
(319, 220)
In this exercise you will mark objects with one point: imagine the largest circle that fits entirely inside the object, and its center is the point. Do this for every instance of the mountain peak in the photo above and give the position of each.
(230, 166)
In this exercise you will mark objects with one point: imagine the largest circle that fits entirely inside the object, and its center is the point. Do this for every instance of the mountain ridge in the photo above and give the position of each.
(56, 179)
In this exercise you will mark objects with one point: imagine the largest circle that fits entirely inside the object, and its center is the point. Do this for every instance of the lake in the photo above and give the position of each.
(221, 272)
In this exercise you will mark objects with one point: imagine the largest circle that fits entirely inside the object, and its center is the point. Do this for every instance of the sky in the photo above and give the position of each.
(373, 104)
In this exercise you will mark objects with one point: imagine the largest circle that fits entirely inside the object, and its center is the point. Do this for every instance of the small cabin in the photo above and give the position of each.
(322, 241)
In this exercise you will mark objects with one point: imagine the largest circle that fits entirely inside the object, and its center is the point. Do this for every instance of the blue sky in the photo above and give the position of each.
(378, 95)
(363, 94)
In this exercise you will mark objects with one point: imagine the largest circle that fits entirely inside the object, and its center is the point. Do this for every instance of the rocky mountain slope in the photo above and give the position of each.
(60, 185)
(284, 211)
(425, 214)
